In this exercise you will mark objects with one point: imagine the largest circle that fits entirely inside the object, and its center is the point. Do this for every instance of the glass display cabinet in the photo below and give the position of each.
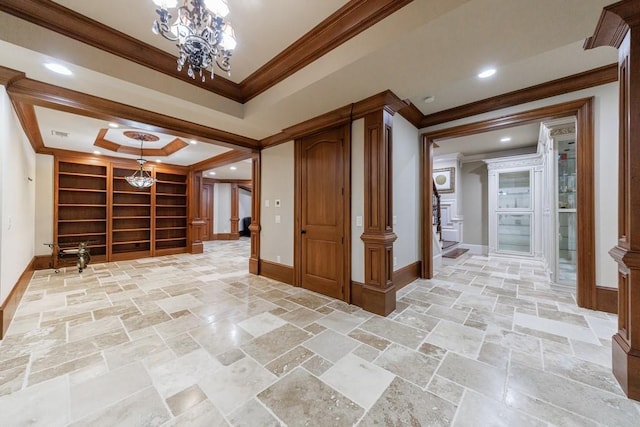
(513, 205)
(566, 219)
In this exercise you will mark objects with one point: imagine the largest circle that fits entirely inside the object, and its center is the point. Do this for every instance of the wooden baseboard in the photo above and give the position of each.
(10, 305)
(273, 270)
(42, 262)
(225, 236)
(356, 293)
(406, 275)
(607, 299)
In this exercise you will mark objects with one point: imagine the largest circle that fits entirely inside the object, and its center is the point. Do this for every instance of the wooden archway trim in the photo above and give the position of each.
(588, 292)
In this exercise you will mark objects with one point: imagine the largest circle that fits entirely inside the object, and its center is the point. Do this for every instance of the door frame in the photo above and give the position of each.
(589, 295)
(346, 200)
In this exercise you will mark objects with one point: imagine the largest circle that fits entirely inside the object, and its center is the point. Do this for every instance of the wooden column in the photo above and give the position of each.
(378, 292)
(195, 221)
(235, 234)
(619, 27)
(254, 228)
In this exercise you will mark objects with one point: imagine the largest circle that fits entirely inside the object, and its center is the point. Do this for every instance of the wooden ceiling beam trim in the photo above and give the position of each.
(347, 22)
(53, 16)
(172, 147)
(596, 77)
(58, 98)
(220, 160)
(412, 114)
(384, 100)
(8, 76)
(29, 122)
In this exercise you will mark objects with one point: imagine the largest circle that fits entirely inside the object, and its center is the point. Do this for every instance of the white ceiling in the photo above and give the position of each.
(429, 47)
(490, 142)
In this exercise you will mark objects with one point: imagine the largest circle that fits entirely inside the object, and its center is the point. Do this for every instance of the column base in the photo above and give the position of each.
(197, 248)
(379, 301)
(626, 367)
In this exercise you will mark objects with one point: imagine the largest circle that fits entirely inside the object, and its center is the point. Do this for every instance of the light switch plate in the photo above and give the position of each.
(359, 221)
(277, 219)
(276, 203)
(266, 203)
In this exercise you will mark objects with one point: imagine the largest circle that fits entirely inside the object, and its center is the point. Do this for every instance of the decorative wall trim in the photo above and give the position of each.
(280, 272)
(386, 100)
(8, 76)
(607, 299)
(407, 274)
(33, 92)
(226, 158)
(170, 148)
(225, 236)
(356, 293)
(29, 122)
(584, 80)
(10, 304)
(412, 114)
(254, 227)
(42, 262)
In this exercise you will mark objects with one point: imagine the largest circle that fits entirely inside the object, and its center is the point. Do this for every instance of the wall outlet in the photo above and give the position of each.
(278, 259)
(277, 219)
(276, 203)
(266, 203)
(359, 221)
(395, 220)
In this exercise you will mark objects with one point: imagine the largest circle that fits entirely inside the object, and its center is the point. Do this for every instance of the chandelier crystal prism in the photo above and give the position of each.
(201, 34)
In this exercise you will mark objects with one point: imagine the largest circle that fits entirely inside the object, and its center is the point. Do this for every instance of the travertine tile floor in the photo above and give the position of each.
(194, 340)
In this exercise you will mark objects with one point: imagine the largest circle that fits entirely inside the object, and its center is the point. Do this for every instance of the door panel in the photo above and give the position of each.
(206, 213)
(322, 213)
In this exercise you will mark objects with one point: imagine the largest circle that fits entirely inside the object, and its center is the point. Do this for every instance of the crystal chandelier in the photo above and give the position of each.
(200, 32)
(141, 178)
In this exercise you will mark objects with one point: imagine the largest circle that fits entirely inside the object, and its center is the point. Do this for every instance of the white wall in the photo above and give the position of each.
(357, 200)
(606, 166)
(276, 239)
(451, 217)
(244, 206)
(44, 203)
(475, 199)
(221, 208)
(406, 192)
(17, 198)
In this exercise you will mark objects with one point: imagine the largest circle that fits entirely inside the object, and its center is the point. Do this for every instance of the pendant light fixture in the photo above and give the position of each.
(141, 178)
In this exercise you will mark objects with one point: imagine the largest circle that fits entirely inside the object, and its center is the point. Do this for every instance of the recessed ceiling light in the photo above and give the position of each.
(233, 168)
(212, 173)
(505, 139)
(58, 68)
(429, 99)
(193, 142)
(487, 73)
(96, 152)
(114, 125)
(158, 161)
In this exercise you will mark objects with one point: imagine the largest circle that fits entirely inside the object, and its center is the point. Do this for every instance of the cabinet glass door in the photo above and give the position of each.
(567, 217)
(514, 233)
(514, 190)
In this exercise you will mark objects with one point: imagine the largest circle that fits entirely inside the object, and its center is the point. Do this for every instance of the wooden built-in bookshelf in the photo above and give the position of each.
(94, 203)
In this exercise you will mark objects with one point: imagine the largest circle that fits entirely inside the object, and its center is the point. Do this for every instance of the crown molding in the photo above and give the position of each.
(412, 114)
(170, 148)
(347, 22)
(226, 158)
(33, 92)
(386, 100)
(344, 24)
(613, 24)
(572, 83)
(8, 76)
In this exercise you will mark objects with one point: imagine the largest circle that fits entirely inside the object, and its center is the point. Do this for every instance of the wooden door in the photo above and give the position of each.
(321, 243)
(206, 213)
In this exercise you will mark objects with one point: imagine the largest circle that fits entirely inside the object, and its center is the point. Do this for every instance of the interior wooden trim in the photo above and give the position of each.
(225, 236)
(172, 147)
(55, 97)
(412, 114)
(41, 262)
(29, 122)
(344, 24)
(347, 22)
(612, 25)
(10, 304)
(584, 80)
(226, 158)
(280, 272)
(386, 100)
(426, 200)
(55, 17)
(356, 293)
(583, 110)
(607, 299)
(407, 274)
(254, 228)
(8, 75)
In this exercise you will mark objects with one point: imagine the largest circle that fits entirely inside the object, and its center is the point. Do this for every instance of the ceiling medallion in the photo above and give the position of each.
(141, 178)
(200, 32)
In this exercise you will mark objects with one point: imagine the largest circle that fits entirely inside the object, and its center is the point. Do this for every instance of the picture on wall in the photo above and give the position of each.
(445, 180)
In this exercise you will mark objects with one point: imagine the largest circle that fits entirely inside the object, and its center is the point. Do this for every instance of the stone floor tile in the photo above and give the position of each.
(331, 345)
